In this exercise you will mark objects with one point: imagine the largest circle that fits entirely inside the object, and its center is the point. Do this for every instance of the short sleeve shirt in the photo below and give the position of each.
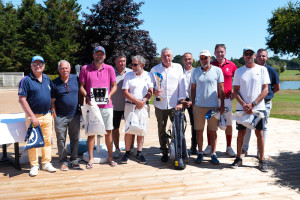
(118, 99)
(274, 79)
(228, 69)
(138, 86)
(207, 86)
(38, 94)
(65, 95)
(251, 81)
(94, 78)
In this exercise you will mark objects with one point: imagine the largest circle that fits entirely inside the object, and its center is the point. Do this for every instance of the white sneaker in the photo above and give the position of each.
(116, 154)
(49, 168)
(230, 152)
(207, 150)
(34, 171)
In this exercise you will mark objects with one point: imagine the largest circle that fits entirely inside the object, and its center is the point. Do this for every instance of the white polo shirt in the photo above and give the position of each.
(187, 75)
(172, 85)
(138, 86)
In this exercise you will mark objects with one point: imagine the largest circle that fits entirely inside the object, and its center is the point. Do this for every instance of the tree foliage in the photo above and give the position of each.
(294, 64)
(284, 30)
(114, 25)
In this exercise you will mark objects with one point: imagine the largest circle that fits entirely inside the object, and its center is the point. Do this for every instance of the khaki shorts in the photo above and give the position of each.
(199, 118)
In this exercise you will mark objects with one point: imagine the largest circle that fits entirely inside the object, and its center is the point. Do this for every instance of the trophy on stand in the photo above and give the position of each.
(158, 79)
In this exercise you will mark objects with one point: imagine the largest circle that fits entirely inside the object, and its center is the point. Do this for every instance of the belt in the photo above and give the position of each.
(45, 113)
(134, 103)
(267, 100)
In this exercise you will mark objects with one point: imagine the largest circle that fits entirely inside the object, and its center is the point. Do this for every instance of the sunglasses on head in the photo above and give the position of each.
(249, 54)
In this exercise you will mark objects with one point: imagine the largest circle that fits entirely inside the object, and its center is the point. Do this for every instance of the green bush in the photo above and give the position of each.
(52, 77)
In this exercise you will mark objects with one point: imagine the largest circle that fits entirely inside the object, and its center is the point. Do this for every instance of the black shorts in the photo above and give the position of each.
(118, 115)
(259, 126)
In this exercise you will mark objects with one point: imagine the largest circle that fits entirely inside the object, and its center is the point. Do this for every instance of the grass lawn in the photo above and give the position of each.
(290, 75)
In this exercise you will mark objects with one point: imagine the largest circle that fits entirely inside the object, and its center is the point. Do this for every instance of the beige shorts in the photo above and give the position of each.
(199, 118)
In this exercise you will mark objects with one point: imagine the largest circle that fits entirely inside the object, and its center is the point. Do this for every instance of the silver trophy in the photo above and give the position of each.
(158, 79)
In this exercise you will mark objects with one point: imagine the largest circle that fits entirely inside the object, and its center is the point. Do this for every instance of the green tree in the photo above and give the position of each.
(284, 30)
(9, 38)
(293, 64)
(114, 24)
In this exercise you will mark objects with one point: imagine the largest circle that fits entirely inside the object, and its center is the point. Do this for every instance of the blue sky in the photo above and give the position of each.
(194, 25)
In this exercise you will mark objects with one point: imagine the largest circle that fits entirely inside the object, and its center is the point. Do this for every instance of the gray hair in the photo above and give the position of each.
(166, 49)
(141, 59)
(63, 61)
(120, 55)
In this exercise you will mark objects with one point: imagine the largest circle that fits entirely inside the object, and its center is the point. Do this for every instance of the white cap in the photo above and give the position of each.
(205, 53)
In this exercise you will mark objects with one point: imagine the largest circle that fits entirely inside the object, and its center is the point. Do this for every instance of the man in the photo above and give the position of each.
(228, 69)
(250, 88)
(206, 84)
(273, 87)
(170, 95)
(118, 100)
(138, 89)
(99, 75)
(187, 60)
(65, 105)
(35, 99)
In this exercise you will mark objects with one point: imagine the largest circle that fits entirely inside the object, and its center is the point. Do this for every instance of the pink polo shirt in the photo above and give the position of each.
(93, 78)
(228, 69)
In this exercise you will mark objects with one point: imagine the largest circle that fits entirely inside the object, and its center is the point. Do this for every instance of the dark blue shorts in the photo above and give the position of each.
(118, 115)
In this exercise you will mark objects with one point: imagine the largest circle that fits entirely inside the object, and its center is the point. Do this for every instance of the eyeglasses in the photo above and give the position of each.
(204, 58)
(67, 88)
(134, 64)
(249, 54)
(38, 64)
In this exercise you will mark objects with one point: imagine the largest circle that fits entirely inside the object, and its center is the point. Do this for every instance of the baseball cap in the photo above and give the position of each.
(99, 48)
(248, 49)
(37, 57)
(205, 53)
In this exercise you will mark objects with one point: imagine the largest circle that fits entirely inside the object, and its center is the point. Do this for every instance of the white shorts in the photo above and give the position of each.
(227, 115)
(107, 116)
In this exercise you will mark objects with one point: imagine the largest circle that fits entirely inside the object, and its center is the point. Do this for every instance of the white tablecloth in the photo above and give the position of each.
(12, 128)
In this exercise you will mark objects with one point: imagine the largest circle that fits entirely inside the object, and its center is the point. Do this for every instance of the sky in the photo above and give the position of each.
(195, 25)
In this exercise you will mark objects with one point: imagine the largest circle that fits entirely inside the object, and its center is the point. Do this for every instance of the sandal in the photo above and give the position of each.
(89, 166)
(112, 163)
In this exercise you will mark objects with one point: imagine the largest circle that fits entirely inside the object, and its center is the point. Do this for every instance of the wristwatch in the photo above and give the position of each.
(254, 103)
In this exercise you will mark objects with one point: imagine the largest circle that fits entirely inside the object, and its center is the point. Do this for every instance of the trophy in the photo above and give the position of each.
(99, 95)
(158, 79)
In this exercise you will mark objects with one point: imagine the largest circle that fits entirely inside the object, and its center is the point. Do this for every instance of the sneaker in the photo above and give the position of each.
(207, 150)
(230, 152)
(262, 165)
(244, 153)
(237, 163)
(125, 158)
(164, 158)
(140, 159)
(214, 159)
(49, 168)
(199, 158)
(132, 152)
(193, 151)
(75, 164)
(64, 166)
(34, 171)
(116, 154)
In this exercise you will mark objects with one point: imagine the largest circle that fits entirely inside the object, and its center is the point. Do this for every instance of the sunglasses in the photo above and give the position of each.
(249, 54)
(38, 64)
(203, 58)
(67, 88)
(134, 64)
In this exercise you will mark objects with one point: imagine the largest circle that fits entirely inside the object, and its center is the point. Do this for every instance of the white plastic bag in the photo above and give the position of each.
(93, 121)
(248, 120)
(222, 122)
(136, 122)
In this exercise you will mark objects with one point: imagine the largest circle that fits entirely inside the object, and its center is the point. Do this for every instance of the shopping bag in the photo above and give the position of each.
(34, 137)
(93, 121)
(222, 122)
(248, 120)
(136, 122)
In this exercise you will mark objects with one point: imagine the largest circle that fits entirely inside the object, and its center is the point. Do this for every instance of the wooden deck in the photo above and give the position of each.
(157, 180)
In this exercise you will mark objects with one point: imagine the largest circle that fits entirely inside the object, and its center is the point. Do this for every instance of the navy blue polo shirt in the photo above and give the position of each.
(38, 94)
(274, 79)
(66, 95)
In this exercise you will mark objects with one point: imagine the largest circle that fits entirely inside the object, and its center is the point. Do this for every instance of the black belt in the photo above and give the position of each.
(147, 102)
(267, 100)
(45, 113)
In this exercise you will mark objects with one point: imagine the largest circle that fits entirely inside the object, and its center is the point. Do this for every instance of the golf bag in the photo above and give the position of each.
(177, 147)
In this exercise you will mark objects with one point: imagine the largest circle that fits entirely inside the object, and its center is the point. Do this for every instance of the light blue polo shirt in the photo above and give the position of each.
(207, 86)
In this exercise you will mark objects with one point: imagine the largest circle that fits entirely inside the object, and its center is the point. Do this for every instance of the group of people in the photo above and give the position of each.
(198, 90)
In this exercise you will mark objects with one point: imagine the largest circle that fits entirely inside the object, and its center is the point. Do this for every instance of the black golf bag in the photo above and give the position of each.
(178, 151)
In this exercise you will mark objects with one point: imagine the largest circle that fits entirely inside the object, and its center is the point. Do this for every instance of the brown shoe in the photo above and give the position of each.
(64, 167)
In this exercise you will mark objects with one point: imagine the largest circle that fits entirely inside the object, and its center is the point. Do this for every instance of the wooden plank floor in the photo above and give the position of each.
(157, 180)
